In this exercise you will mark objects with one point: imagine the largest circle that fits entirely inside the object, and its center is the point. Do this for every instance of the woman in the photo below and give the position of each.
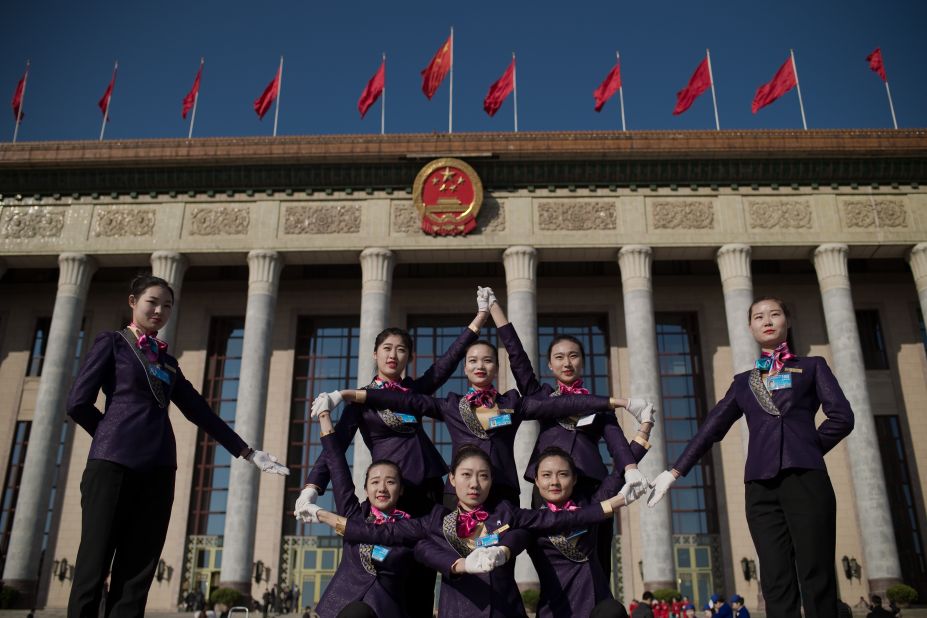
(128, 485)
(791, 508)
(369, 576)
(473, 544)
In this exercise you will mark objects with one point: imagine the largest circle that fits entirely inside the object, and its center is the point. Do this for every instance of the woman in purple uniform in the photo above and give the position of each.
(128, 485)
(791, 507)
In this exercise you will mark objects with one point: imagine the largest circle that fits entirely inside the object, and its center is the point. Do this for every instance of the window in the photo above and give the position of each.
(326, 360)
(871, 338)
(40, 347)
(212, 463)
(14, 473)
(59, 457)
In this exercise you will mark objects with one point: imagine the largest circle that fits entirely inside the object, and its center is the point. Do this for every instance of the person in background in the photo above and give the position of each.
(645, 608)
(722, 609)
(708, 611)
(737, 604)
(689, 610)
(877, 610)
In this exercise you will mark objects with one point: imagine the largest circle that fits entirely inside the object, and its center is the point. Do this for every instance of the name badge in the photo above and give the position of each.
(488, 540)
(586, 420)
(500, 420)
(764, 364)
(576, 533)
(159, 373)
(379, 553)
(779, 382)
(408, 419)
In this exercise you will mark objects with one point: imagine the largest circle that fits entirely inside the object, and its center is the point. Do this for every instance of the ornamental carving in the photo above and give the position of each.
(21, 223)
(322, 219)
(879, 212)
(781, 214)
(405, 218)
(492, 217)
(124, 222)
(683, 214)
(577, 216)
(219, 221)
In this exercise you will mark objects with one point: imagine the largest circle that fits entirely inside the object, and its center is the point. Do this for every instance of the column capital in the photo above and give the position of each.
(264, 268)
(377, 269)
(734, 264)
(830, 262)
(634, 262)
(170, 266)
(917, 259)
(520, 268)
(75, 271)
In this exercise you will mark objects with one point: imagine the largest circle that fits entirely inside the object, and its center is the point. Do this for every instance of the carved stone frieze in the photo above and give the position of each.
(682, 215)
(322, 219)
(875, 212)
(222, 221)
(32, 222)
(406, 220)
(786, 214)
(124, 222)
(491, 217)
(577, 216)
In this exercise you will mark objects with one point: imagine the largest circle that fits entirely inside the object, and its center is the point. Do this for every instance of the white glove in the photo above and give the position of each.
(482, 299)
(496, 556)
(659, 486)
(635, 479)
(326, 401)
(641, 409)
(478, 561)
(306, 499)
(632, 493)
(309, 514)
(491, 297)
(267, 463)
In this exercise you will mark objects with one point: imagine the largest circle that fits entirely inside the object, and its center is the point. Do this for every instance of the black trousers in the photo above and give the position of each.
(124, 519)
(418, 501)
(793, 522)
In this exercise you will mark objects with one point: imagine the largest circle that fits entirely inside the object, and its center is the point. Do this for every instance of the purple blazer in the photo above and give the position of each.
(499, 443)
(387, 437)
(437, 546)
(379, 584)
(135, 430)
(782, 431)
(582, 443)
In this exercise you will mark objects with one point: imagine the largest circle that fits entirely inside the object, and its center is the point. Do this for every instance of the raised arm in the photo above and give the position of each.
(345, 429)
(99, 367)
(616, 443)
(443, 368)
(342, 483)
(835, 406)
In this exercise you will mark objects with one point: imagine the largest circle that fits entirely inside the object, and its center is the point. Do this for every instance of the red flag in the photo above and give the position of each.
(18, 98)
(782, 82)
(104, 102)
(373, 90)
(608, 87)
(698, 83)
(434, 73)
(876, 64)
(263, 102)
(500, 89)
(190, 99)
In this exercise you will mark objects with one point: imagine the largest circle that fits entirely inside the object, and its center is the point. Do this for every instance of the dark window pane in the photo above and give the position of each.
(871, 338)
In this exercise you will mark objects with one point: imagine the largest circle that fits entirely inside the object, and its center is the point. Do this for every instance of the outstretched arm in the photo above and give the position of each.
(443, 368)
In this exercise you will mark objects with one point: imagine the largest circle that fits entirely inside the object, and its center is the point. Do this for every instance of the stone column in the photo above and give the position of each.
(170, 266)
(241, 510)
(917, 259)
(641, 332)
(376, 289)
(521, 286)
(22, 559)
(872, 507)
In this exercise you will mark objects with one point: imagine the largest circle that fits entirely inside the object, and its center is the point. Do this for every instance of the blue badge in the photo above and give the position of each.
(500, 420)
(406, 418)
(779, 382)
(764, 363)
(379, 553)
(488, 540)
(159, 373)
(576, 533)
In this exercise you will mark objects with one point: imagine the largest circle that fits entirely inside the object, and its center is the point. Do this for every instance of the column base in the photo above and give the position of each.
(666, 584)
(26, 589)
(242, 587)
(879, 585)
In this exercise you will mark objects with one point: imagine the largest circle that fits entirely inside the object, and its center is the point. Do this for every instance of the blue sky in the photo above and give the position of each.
(564, 50)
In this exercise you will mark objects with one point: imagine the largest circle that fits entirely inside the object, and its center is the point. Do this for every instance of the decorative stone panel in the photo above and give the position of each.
(219, 221)
(863, 213)
(682, 215)
(779, 214)
(114, 222)
(406, 220)
(32, 222)
(322, 219)
(491, 217)
(577, 216)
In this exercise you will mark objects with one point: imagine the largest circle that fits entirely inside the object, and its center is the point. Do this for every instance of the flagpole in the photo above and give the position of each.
(891, 105)
(711, 78)
(515, 89)
(801, 105)
(196, 98)
(450, 98)
(279, 89)
(620, 91)
(383, 100)
(108, 100)
(22, 99)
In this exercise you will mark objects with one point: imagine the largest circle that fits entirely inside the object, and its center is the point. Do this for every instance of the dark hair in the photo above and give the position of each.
(648, 596)
(555, 451)
(775, 299)
(143, 282)
(558, 338)
(466, 451)
(876, 599)
(399, 332)
(382, 462)
(495, 352)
